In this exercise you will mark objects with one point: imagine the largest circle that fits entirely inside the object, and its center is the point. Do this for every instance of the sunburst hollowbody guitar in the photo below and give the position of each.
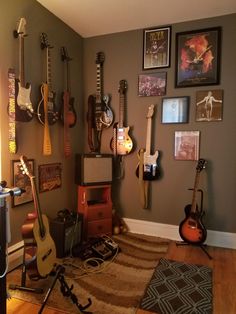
(35, 231)
(122, 143)
(52, 114)
(24, 111)
(191, 229)
(150, 168)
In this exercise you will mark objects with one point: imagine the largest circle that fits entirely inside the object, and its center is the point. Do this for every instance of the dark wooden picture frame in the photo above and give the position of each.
(198, 57)
(49, 176)
(175, 109)
(152, 84)
(156, 47)
(22, 181)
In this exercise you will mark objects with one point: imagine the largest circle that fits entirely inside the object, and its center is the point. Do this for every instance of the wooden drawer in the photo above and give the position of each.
(98, 227)
(99, 212)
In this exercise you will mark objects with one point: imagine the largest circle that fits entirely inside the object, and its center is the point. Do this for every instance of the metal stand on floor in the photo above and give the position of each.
(202, 246)
(65, 290)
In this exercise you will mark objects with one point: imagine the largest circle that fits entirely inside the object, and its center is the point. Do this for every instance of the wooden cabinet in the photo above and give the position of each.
(94, 202)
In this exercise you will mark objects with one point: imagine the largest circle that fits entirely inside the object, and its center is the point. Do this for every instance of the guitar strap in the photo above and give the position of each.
(67, 145)
(143, 184)
(12, 111)
(47, 148)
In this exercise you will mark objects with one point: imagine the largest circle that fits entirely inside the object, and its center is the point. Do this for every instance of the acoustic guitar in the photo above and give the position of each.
(52, 113)
(150, 168)
(191, 229)
(36, 227)
(24, 111)
(122, 143)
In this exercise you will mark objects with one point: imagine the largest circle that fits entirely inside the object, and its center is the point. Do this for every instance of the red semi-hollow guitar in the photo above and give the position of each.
(191, 229)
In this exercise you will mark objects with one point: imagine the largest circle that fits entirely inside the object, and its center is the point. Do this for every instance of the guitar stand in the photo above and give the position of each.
(202, 246)
(65, 290)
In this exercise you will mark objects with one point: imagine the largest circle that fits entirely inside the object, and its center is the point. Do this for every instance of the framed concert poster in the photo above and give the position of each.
(175, 109)
(49, 177)
(187, 145)
(153, 84)
(22, 181)
(198, 57)
(209, 105)
(156, 48)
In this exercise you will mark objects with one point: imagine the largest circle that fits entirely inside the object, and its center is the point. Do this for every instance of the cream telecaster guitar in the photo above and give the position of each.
(122, 144)
(38, 228)
(150, 167)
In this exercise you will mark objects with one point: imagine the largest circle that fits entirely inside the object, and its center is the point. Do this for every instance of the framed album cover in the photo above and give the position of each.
(152, 84)
(187, 145)
(175, 109)
(49, 176)
(156, 48)
(209, 105)
(198, 57)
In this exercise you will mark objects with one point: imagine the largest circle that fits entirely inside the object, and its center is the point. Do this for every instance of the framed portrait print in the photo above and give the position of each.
(198, 57)
(153, 84)
(187, 145)
(175, 109)
(209, 104)
(49, 177)
(156, 48)
(22, 181)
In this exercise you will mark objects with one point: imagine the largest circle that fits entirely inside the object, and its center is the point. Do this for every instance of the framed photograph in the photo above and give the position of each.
(198, 57)
(187, 145)
(209, 104)
(22, 181)
(175, 109)
(156, 48)
(49, 177)
(153, 84)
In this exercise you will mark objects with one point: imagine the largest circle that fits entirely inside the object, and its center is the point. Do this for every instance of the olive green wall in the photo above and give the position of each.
(30, 135)
(169, 195)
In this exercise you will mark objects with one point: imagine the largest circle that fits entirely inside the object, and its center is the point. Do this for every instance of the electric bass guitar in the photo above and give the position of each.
(103, 113)
(150, 167)
(52, 114)
(35, 230)
(24, 111)
(122, 143)
(191, 229)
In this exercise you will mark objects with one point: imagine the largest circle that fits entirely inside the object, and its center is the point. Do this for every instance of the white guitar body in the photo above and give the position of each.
(124, 142)
(150, 163)
(23, 98)
(46, 250)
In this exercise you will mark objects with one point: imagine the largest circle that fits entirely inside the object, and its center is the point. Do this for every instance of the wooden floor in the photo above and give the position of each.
(223, 264)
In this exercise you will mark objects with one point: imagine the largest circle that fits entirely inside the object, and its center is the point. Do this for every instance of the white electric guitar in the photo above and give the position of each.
(150, 167)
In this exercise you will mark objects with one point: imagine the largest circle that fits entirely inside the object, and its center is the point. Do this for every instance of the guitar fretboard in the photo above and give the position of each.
(99, 91)
(49, 70)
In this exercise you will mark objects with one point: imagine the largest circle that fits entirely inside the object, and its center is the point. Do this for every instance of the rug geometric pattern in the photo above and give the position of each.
(179, 288)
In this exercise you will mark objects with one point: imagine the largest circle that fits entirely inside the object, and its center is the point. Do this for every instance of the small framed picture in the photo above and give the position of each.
(22, 181)
(156, 48)
(153, 84)
(198, 57)
(209, 104)
(175, 109)
(187, 145)
(49, 177)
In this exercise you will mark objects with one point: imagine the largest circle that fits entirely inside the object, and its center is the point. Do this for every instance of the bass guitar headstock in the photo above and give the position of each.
(100, 58)
(25, 167)
(65, 55)
(150, 111)
(201, 164)
(123, 86)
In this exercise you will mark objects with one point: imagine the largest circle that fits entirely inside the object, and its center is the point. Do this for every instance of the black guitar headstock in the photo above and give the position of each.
(123, 86)
(65, 55)
(100, 58)
(201, 164)
(44, 41)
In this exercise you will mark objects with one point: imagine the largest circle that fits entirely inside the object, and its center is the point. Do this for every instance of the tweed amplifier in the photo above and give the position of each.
(66, 233)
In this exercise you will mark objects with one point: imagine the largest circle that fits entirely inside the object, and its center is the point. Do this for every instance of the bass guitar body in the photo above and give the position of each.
(52, 113)
(191, 229)
(70, 115)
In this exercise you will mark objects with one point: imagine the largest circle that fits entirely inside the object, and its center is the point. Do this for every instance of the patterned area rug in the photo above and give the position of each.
(118, 289)
(179, 288)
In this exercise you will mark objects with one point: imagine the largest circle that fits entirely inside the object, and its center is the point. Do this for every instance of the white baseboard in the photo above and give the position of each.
(15, 255)
(214, 238)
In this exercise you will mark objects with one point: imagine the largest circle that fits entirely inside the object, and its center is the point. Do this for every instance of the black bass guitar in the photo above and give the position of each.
(191, 229)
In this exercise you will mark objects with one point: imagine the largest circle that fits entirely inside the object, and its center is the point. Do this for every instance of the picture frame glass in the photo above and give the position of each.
(198, 57)
(23, 182)
(187, 145)
(156, 48)
(175, 109)
(209, 105)
(152, 84)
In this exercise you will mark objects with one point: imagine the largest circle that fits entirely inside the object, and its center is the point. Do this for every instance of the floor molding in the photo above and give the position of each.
(214, 238)
(15, 255)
